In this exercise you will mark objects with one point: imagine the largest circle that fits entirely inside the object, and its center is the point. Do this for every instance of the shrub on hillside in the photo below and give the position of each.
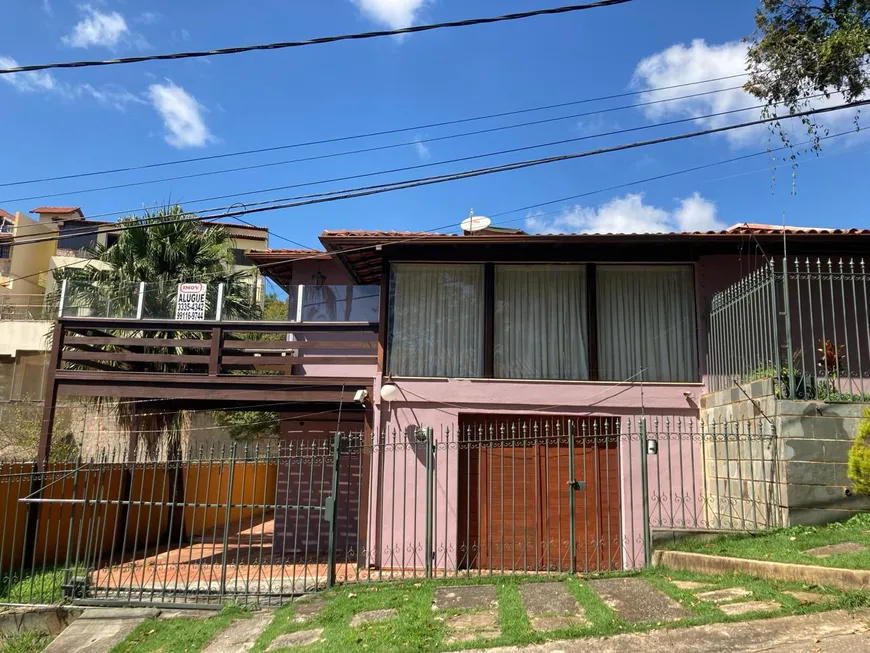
(859, 457)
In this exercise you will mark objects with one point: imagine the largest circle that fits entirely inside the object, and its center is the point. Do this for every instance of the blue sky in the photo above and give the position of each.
(71, 121)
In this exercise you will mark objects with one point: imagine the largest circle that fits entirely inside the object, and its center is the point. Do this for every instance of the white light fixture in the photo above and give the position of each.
(389, 392)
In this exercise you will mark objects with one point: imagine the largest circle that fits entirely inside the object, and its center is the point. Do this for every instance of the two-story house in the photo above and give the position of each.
(535, 365)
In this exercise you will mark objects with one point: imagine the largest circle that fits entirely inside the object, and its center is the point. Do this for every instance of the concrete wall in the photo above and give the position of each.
(24, 336)
(809, 479)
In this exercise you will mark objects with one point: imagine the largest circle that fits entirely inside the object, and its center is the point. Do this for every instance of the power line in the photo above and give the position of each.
(316, 41)
(73, 232)
(437, 179)
(525, 208)
(391, 146)
(387, 132)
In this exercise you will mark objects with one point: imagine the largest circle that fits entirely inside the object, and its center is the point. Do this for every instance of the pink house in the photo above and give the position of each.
(521, 380)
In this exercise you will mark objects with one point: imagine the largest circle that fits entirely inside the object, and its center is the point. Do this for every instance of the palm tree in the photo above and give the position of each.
(169, 248)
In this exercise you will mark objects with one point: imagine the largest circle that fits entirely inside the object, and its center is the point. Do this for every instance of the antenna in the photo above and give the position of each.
(475, 223)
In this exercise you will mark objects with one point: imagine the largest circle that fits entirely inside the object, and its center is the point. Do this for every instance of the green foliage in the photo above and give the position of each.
(28, 642)
(859, 457)
(20, 426)
(171, 248)
(179, 634)
(248, 425)
(802, 48)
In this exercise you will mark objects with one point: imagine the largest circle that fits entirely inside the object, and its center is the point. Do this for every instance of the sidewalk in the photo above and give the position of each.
(827, 632)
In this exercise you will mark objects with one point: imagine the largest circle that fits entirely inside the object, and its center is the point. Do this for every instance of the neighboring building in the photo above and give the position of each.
(26, 282)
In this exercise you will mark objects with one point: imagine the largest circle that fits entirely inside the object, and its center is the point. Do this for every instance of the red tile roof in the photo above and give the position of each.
(6, 214)
(57, 210)
(737, 229)
(271, 254)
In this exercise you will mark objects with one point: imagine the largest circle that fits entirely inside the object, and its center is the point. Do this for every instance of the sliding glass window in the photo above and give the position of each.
(540, 322)
(647, 323)
(436, 320)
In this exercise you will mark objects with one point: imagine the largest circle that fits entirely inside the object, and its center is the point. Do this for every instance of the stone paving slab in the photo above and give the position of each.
(466, 597)
(727, 594)
(100, 630)
(688, 585)
(372, 616)
(635, 600)
(838, 631)
(810, 598)
(550, 606)
(299, 638)
(836, 549)
(732, 609)
(241, 635)
(308, 608)
(468, 627)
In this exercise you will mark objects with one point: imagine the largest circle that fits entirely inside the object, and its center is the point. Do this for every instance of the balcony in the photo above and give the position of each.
(130, 345)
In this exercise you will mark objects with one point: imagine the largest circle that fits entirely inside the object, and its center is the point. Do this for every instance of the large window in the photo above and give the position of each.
(646, 323)
(540, 322)
(436, 322)
(548, 322)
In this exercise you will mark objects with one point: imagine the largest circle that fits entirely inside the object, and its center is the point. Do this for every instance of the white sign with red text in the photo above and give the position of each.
(190, 302)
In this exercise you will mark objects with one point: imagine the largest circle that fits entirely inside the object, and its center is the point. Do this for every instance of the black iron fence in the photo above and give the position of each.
(494, 494)
(803, 323)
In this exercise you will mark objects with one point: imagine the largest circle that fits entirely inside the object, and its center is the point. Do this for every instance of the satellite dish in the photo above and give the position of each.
(475, 223)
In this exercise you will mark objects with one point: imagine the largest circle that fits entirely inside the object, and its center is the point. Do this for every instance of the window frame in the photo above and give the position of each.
(488, 353)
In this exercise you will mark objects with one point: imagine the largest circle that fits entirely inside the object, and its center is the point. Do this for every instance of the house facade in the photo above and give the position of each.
(536, 366)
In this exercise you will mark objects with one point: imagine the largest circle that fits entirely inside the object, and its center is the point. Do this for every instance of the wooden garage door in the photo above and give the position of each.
(514, 507)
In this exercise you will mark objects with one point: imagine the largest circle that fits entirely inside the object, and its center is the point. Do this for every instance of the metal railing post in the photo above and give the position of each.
(141, 302)
(62, 301)
(219, 305)
(332, 509)
(644, 486)
(775, 315)
(787, 315)
(299, 295)
(227, 514)
(572, 499)
(430, 457)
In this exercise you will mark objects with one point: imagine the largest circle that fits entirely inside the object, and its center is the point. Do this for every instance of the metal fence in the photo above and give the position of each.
(802, 323)
(262, 524)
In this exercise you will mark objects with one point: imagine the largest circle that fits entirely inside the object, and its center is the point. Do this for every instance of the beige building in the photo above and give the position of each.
(26, 282)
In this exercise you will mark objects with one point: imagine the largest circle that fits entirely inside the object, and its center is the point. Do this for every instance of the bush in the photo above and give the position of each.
(859, 457)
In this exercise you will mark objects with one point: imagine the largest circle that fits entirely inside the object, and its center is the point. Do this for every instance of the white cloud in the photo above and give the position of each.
(99, 29)
(109, 95)
(683, 64)
(396, 14)
(631, 215)
(422, 151)
(27, 82)
(47, 8)
(182, 115)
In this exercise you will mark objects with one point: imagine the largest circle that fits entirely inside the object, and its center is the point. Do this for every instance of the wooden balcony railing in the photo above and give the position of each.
(214, 348)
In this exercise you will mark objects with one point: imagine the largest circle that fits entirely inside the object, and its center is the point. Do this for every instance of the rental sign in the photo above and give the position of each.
(190, 302)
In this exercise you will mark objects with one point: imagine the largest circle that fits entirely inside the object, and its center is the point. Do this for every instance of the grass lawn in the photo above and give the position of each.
(180, 634)
(417, 627)
(25, 643)
(789, 544)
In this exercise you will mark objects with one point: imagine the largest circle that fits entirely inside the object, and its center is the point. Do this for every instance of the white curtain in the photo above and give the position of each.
(647, 319)
(540, 322)
(436, 326)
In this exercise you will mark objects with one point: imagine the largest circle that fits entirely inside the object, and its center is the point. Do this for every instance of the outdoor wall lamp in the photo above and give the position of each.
(389, 392)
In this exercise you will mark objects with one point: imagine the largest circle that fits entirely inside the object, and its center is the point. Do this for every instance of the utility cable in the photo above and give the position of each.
(391, 146)
(525, 208)
(389, 132)
(437, 179)
(414, 29)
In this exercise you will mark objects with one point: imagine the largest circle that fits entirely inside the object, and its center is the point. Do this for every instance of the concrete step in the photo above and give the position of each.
(98, 630)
